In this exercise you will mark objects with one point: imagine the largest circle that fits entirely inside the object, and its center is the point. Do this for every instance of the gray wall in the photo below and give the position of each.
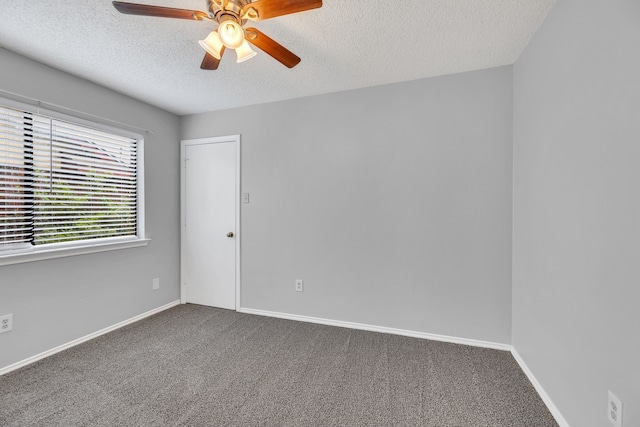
(577, 208)
(59, 300)
(393, 203)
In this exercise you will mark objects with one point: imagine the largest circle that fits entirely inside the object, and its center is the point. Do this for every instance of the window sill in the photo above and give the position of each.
(39, 255)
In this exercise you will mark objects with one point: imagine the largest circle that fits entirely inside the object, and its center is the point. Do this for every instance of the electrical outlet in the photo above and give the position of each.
(299, 285)
(245, 198)
(6, 323)
(614, 410)
(156, 284)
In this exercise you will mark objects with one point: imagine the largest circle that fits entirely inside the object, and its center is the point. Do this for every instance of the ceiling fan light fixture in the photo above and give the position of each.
(212, 45)
(245, 52)
(231, 15)
(231, 34)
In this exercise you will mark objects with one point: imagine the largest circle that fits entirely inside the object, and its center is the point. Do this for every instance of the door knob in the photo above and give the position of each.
(230, 234)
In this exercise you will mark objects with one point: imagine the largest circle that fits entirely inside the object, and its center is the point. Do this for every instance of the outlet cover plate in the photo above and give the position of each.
(614, 410)
(299, 285)
(156, 283)
(6, 323)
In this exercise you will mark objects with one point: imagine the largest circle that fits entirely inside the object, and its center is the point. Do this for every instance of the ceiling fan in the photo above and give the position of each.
(231, 16)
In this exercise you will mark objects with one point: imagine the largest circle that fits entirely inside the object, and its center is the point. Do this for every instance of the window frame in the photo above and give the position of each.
(80, 247)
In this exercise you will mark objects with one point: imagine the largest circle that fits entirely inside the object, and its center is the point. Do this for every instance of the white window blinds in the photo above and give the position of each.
(63, 182)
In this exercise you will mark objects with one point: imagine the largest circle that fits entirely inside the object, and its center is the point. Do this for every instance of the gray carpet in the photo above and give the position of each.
(201, 366)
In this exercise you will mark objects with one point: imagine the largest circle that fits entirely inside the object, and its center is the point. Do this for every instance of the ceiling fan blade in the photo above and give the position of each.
(163, 12)
(265, 9)
(211, 63)
(272, 47)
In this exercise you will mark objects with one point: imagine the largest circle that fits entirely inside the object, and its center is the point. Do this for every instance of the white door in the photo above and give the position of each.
(209, 221)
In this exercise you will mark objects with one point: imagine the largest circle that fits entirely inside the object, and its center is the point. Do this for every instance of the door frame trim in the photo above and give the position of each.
(183, 203)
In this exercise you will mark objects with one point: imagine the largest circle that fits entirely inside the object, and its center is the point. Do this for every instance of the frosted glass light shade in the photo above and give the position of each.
(212, 45)
(231, 34)
(245, 52)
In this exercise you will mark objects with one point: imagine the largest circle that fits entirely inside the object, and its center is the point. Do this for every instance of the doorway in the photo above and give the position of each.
(210, 222)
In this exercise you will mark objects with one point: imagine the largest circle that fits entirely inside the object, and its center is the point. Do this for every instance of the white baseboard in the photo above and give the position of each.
(382, 329)
(543, 394)
(75, 342)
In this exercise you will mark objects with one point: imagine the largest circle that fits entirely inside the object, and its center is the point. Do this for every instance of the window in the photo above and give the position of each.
(65, 184)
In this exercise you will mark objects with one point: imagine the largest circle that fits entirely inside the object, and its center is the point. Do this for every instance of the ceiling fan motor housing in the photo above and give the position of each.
(226, 8)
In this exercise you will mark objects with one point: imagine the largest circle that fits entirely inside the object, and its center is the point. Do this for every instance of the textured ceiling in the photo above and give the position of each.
(343, 45)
